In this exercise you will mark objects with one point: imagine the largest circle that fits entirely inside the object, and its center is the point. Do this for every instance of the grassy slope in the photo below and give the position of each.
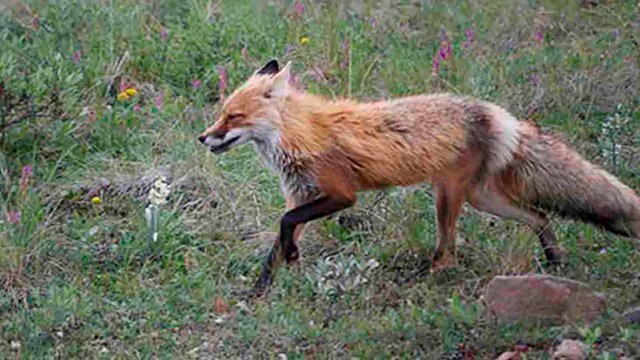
(83, 280)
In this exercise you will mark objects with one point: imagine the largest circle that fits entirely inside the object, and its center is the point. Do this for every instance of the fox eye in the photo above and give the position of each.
(231, 117)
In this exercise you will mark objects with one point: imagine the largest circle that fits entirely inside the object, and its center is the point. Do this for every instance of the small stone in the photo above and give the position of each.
(633, 316)
(570, 350)
(509, 355)
(545, 297)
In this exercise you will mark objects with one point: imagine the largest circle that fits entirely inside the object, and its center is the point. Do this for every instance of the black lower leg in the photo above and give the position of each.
(268, 268)
(548, 242)
(315, 209)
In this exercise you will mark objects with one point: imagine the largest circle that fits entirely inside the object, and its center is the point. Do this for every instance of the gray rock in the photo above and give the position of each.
(570, 350)
(633, 315)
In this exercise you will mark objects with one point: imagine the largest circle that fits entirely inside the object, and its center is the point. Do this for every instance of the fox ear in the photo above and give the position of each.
(271, 68)
(280, 85)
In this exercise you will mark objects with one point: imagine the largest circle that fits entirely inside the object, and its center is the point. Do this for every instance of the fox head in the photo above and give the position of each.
(252, 112)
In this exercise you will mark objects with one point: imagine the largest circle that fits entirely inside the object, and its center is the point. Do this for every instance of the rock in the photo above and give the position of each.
(633, 316)
(545, 297)
(509, 355)
(570, 350)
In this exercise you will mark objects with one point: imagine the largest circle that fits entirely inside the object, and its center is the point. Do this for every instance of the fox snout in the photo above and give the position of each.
(220, 140)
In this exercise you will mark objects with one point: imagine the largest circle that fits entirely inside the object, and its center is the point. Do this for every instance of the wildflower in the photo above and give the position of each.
(127, 93)
(445, 49)
(469, 38)
(15, 216)
(27, 171)
(159, 100)
(534, 79)
(76, 57)
(304, 40)
(538, 36)
(96, 200)
(164, 34)
(136, 108)
(195, 84)
(157, 197)
(299, 7)
(223, 79)
(35, 22)
(159, 192)
(603, 251)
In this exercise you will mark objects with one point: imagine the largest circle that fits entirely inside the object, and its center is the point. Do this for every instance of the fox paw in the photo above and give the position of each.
(443, 262)
(291, 254)
(556, 257)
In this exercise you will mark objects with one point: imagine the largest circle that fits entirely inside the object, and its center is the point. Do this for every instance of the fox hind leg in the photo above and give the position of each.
(449, 200)
(495, 202)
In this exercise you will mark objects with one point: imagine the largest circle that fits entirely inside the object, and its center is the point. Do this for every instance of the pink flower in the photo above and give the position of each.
(15, 216)
(299, 7)
(196, 83)
(223, 79)
(136, 108)
(469, 38)
(445, 50)
(27, 171)
(164, 34)
(159, 100)
(538, 36)
(76, 57)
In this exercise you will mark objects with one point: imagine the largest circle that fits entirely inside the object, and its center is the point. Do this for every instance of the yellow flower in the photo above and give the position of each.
(123, 96)
(304, 40)
(96, 200)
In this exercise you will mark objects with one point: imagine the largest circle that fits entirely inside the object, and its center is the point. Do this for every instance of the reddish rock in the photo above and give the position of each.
(545, 297)
(509, 355)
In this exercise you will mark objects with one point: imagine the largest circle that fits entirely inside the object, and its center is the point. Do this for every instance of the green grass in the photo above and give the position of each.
(83, 280)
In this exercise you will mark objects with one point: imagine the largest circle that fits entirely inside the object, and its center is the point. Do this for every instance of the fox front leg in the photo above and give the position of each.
(290, 227)
(321, 207)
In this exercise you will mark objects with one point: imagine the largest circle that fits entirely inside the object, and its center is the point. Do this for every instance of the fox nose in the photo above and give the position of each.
(202, 138)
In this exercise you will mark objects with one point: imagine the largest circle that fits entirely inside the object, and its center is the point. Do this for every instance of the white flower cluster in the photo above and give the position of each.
(158, 196)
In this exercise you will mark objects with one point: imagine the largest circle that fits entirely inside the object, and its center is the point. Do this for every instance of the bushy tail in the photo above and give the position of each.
(556, 178)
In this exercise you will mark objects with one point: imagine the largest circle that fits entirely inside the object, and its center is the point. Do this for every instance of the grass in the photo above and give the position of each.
(84, 280)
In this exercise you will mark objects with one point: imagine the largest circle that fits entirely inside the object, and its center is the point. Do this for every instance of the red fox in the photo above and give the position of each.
(470, 150)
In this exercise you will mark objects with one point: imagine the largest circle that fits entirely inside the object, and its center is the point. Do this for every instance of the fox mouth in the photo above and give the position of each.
(218, 149)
